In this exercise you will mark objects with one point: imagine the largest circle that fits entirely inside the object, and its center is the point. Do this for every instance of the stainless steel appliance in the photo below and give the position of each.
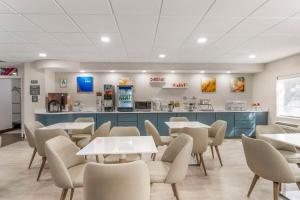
(125, 98)
(143, 106)
(109, 98)
(205, 105)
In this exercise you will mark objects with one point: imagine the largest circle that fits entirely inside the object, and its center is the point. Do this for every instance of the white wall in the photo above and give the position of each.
(264, 84)
(5, 104)
(143, 90)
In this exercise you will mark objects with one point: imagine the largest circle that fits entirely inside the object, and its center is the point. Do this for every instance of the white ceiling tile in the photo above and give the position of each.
(278, 9)
(5, 9)
(172, 31)
(54, 23)
(136, 7)
(72, 38)
(36, 37)
(96, 23)
(34, 6)
(289, 26)
(6, 37)
(251, 27)
(234, 8)
(138, 34)
(185, 7)
(86, 6)
(16, 22)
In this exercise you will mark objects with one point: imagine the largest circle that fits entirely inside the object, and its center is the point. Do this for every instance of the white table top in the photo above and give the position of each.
(288, 138)
(70, 125)
(189, 124)
(120, 145)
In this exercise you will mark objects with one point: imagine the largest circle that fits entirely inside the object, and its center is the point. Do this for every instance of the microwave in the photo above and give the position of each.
(143, 105)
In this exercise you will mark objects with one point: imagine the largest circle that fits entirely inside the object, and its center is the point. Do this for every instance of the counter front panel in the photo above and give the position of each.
(238, 123)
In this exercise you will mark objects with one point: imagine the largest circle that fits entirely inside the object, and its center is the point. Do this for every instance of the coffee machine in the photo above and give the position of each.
(58, 102)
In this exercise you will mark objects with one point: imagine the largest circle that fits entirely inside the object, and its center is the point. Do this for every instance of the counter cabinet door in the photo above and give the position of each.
(206, 118)
(49, 119)
(229, 118)
(104, 117)
(163, 129)
(190, 116)
(152, 117)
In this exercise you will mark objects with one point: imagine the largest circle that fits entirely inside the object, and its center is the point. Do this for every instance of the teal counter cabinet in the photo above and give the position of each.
(238, 123)
(163, 129)
(49, 119)
(206, 117)
(152, 117)
(229, 118)
(104, 117)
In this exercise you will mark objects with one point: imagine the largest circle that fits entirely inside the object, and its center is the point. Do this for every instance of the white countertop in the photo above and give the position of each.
(180, 111)
(190, 124)
(288, 138)
(120, 145)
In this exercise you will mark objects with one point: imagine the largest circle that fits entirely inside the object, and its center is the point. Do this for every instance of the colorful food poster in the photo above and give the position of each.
(208, 84)
(237, 84)
(85, 84)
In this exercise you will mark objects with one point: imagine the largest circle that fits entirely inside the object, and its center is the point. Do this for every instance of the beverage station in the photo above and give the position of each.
(117, 103)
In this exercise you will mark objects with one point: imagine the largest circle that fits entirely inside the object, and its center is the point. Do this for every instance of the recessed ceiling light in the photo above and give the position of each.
(162, 55)
(112, 71)
(43, 55)
(105, 39)
(202, 40)
(228, 72)
(144, 71)
(82, 71)
(252, 56)
(172, 71)
(202, 71)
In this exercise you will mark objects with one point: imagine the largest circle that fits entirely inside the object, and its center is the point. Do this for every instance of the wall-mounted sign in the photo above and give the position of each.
(8, 71)
(34, 98)
(85, 84)
(34, 89)
(157, 79)
(34, 81)
(209, 84)
(63, 83)
(237, 84)
(177, 85)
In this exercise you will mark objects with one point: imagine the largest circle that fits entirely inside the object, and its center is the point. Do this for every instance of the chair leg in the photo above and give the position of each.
(97, 158)
(298, 184)
(63, 194)
(202, 161)
(276, 190)
(72, 193)
(255, 178)
(212, 151)
(198, 160)
(219, 156)
(175, 191)
(154, 155)
(32, 157)
(41, 168)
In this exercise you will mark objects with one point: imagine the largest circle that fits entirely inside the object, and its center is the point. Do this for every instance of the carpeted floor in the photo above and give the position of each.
(229, 182)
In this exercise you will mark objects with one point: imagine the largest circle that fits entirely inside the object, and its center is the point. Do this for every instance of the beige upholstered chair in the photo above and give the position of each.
(174, 132)
(158, 140)
(30, 128)
(66, 168)
(200, 143)
(288, 151)
(266, 162)
(126, 181)
(120, 131)
(42, 135)
(102, 131)
(81, 134)
(174, 163)
(216, 136)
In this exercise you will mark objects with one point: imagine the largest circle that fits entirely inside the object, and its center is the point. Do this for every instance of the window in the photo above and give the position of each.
(288, 96)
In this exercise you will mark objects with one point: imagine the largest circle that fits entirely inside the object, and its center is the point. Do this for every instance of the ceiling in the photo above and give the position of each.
(140, 30)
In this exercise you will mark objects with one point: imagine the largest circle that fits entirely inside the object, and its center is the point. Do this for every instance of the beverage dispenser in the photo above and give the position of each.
(109, 98)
